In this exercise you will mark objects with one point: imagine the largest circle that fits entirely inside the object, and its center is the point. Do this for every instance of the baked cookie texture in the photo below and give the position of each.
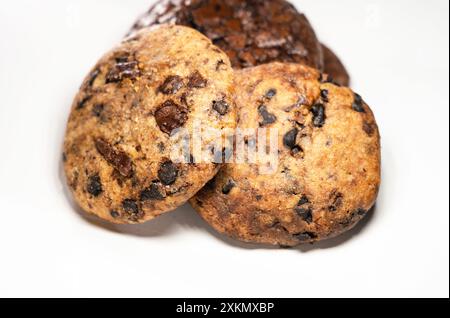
(251, 32)
(328, 174)
(117, 150)
(334, 68)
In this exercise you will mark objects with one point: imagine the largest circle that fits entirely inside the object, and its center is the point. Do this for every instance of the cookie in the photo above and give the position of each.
(251, 32)
(334, 67)
(317, 179)
(119, 146)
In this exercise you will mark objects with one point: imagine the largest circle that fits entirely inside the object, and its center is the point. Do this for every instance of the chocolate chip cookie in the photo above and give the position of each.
(251, 32)
(127, 119)
(334, 67)
(318, 177)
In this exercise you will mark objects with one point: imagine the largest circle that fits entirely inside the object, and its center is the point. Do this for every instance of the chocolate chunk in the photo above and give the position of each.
(219, 65)
(94, 185)
(259, 197)
(114, 214)
(226, 189)
(305, 214)
(268, 118)
(168, 173)
(83, 102)
(358, 104)
(368, 128)
(304, 200)
(123, 70)
(123, 59)
(296, 150)
(196, 80)
(305, 236)
(319, 117)
(97, 110)
(130, 206)
(171, 116)
(118, 159)
(271, 93)
(171, 85)
(337, 199)
(324, 95)
(221, 107)
(290, 139)
(361, 212)
(92, 77)
(154, 192)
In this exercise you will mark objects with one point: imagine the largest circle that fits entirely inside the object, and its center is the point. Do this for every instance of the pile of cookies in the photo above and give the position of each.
(231, 65)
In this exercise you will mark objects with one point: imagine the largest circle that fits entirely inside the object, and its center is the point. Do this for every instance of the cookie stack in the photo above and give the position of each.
(250, 67)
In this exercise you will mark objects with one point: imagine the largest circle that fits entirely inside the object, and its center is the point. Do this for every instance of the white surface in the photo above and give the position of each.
(397, 52)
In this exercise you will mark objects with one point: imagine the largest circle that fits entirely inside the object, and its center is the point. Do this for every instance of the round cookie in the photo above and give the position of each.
(326, 174)
(334, 67)
(251, 32)
(125, 121)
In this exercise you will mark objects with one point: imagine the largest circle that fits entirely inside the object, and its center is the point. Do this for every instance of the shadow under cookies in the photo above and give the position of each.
(187, 217)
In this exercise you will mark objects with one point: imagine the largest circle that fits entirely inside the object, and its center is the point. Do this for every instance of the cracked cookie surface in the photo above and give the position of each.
(251, 32)
(327, 175)
(119, 137)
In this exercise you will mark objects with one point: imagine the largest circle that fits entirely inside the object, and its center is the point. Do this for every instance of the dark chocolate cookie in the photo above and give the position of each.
(324, 175)
(334, 67)
(118, 147)
(251, 32)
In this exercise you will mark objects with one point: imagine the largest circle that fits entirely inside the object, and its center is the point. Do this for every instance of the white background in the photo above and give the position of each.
(397, 52)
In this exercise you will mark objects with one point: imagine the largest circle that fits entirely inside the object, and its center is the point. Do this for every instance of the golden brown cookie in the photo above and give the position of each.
(326, 174)
(118, 147)
(251, 32)
(334, 67)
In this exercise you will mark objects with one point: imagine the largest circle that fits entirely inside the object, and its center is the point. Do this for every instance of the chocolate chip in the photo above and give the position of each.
(226, 189)
(271, 93)
(324, 94)
(296, 150)
(130, 206)
(219, 64)
(114, 214)
(304, 200)
(64, 157)
(221, 107)
(368, 128)
(171, 85)
(196, 80)
(97, 110)
(171, 116)
(268, 118)
(305, 236)
(118, 159)
(123, 70)
(122, 59)
(168, 173)
(358, 104)
(83, 102)
(337, 199)
(290, 139)
(94, 185)
(92, 77)
(154, 192)
(305, 214)
(361, 212)
(259, 197)
(319, 116)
